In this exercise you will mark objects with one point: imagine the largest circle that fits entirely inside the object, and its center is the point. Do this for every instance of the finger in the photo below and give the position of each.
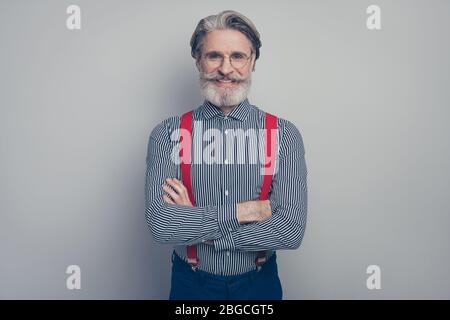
(171, 192)
(177, 185)
(182, 190)
(167, 199)
(182, 186)
(177, 181)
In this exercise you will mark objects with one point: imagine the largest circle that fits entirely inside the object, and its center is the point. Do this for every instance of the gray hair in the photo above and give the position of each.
(227, 19)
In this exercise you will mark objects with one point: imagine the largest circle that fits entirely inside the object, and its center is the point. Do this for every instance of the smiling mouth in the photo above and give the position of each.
(225, 83)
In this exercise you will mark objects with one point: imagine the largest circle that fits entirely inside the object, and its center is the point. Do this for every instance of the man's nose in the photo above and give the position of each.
(226, 67)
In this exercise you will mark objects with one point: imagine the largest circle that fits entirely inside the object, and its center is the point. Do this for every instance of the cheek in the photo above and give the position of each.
(204, 68)
(246, 72)
(208, 70)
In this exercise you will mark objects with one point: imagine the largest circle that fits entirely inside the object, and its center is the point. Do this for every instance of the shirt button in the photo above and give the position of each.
(226, 117)
(226, 192)
(229, 229)
(228, 253)
(226, 161)
(226, 131)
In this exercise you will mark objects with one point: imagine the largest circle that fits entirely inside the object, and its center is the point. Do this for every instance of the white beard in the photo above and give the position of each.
(225, 97)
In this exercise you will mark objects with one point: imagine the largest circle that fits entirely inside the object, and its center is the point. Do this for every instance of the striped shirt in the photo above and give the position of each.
(219, 186)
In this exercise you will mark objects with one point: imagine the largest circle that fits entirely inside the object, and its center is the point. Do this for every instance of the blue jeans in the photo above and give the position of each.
(187, 284)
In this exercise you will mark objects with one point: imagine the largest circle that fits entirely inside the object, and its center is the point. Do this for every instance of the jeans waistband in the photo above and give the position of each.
(181, 265)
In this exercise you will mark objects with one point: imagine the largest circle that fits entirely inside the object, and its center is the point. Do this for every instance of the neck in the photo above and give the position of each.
(227, 110)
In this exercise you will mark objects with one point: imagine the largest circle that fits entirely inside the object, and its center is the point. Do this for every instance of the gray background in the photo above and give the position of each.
(77, 107)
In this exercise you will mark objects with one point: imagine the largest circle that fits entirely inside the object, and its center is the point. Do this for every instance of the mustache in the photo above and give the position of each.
(216, 76)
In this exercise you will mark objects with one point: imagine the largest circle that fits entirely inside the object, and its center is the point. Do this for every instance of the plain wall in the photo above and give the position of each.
(77, 108)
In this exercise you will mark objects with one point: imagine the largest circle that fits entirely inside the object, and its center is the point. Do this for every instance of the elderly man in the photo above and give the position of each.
(226, 217)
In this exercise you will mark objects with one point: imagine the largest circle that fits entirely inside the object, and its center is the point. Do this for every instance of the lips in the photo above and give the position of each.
(225, 82)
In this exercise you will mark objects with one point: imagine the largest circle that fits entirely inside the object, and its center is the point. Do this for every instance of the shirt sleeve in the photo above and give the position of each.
(288, 198)
(172, 223)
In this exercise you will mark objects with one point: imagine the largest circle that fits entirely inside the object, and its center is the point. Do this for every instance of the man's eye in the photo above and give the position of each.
(237, 56)
(213, 56)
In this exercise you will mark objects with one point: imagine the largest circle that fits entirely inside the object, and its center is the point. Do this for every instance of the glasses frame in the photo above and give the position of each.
(203, 56)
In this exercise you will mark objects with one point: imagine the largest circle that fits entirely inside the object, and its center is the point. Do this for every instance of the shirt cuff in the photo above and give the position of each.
(225, 243)
(227, 218)
(209, 223)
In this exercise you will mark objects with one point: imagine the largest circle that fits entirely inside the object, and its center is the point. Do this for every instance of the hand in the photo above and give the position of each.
(254, 210)
(265, 210)
(178, 193)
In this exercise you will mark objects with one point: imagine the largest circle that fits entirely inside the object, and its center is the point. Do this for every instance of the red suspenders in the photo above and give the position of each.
(269, 160)
(186, 146)
(269, 157)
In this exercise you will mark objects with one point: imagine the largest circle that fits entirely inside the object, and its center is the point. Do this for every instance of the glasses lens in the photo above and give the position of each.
(238, 63)
(239, 60)
(215, 60)
(213, 63)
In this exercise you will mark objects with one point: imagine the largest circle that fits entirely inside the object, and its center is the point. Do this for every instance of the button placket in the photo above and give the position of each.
(226, 160)
(224, 175)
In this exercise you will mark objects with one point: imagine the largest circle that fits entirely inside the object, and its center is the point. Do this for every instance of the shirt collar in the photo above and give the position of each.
(239, 112)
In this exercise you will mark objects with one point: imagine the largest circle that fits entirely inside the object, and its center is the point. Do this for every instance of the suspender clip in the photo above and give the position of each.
(193, 262)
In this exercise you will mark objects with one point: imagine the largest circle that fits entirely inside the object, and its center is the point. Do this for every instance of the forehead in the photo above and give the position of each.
(227, 40)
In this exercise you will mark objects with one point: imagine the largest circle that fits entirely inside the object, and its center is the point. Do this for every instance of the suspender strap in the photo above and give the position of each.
(269, 166)
(186, 160)
(269, 155)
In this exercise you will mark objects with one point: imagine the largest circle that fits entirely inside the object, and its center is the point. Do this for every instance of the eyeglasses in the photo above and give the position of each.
(238, 60)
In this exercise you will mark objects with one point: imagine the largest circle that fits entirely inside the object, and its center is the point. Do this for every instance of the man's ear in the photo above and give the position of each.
(197, 64)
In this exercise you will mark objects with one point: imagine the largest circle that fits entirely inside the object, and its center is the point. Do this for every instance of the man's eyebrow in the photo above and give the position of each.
(218, 52)
(213, 51)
